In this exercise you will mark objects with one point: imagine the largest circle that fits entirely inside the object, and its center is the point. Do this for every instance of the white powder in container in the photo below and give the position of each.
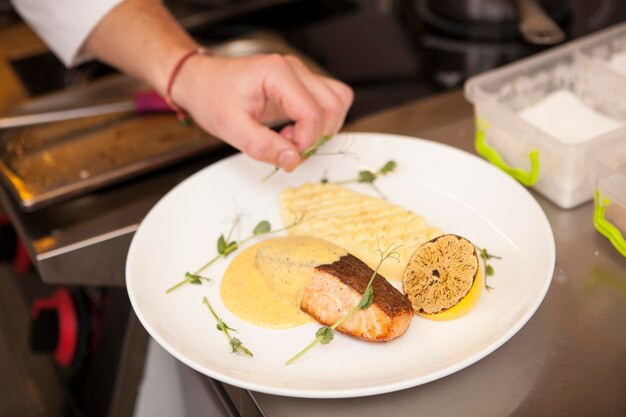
(564, 116)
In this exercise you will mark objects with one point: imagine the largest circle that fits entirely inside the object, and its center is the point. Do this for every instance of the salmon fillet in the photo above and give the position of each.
(336, 288)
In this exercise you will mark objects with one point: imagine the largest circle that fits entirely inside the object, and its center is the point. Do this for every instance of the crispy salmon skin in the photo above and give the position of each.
(336, 288)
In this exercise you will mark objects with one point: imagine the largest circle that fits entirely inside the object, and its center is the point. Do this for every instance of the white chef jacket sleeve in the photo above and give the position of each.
(64, 24)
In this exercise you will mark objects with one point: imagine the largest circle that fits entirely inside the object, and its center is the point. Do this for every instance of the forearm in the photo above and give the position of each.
(141, 38)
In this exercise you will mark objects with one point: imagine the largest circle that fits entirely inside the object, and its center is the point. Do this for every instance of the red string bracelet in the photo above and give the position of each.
(183, 117)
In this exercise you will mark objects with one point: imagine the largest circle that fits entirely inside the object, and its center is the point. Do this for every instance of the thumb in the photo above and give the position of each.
(263, 144)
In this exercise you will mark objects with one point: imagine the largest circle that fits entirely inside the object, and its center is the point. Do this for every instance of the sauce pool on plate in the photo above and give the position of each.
(263, 284)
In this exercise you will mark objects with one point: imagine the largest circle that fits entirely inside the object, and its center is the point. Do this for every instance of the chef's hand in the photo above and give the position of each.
(233, 98)
(228, 97)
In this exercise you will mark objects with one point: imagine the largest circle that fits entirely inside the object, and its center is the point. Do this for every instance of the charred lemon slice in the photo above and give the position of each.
(443, 279)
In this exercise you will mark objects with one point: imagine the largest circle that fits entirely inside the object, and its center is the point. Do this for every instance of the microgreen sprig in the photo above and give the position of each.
(307, 153)
(235, 344)
(326, 334)
(489, 269)
(226, 246)
(196, 279)
(368, 177)
(312, 150)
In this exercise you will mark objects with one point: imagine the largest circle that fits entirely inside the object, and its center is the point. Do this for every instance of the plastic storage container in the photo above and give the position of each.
(607, 51)
(554, 167)
(608, 163)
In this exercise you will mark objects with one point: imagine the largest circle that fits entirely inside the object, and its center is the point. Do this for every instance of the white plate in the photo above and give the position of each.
(454, 190)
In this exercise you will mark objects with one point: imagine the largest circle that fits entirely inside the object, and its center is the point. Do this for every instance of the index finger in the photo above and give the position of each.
(284, 87)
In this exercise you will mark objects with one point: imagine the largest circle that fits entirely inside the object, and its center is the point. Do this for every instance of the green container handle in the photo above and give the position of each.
(605, 227)
(490, 154)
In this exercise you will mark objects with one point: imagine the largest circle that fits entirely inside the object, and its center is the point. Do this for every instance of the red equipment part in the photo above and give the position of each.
(62, 302)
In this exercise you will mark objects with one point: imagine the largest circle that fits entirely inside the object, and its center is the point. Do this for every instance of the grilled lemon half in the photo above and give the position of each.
(442, 279)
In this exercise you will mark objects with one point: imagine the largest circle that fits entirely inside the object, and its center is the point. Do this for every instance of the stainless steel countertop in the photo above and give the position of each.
(568, 360)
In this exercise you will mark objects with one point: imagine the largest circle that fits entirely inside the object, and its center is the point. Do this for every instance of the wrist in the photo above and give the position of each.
(182, 114)
(162, 69)
(191, 75)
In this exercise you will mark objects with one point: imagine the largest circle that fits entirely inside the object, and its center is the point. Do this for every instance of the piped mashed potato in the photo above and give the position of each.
(354, 221)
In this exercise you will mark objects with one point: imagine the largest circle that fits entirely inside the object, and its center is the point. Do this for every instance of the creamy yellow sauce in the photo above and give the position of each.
(263, 284)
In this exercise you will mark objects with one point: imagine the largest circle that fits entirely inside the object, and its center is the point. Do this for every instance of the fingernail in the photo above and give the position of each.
(288, 159)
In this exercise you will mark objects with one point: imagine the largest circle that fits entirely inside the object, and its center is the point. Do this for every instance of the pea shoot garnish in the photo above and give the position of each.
(326, 334)
(368, 177)
(225, 246)
(235, 344)
(196, 279)
(305, 154)
(312, 150)
(489, 269)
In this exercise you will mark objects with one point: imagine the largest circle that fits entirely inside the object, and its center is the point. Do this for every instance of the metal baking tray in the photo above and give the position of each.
(48, 163)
